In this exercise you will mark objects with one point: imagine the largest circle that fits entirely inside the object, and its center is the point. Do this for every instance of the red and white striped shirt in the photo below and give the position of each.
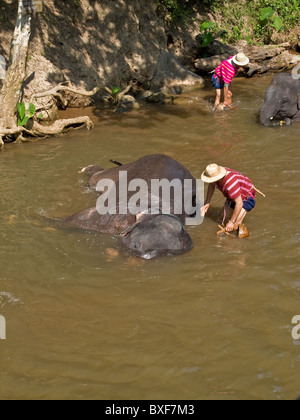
(235, 185)
(226, 71)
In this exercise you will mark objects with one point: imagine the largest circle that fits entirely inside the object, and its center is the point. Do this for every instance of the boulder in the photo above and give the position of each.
(170, 73)
(127, 103)
(218, 48)
(209, 64)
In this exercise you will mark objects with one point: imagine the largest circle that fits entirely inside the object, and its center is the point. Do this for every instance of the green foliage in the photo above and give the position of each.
(279, 15)
(268, 16)
(287, 10)
(115, 90)
(208, 29)
(23, 114)
(255, 21)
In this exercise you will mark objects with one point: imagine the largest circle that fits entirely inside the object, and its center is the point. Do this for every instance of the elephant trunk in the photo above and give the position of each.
(267, 114)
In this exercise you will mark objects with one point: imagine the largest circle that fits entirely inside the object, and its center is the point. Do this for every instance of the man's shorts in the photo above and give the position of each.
(216, 82)
(249, 204)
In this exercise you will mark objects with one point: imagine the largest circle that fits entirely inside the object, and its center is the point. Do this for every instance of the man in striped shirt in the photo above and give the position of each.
(223, 76)
(238, 190)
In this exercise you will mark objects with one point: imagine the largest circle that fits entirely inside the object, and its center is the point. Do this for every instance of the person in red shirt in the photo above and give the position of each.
(239, 191)
(223, 76)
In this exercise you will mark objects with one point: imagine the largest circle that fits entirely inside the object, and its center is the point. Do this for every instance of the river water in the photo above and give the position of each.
(86, 322)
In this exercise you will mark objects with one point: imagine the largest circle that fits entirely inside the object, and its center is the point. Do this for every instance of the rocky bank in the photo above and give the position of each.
(91, 43)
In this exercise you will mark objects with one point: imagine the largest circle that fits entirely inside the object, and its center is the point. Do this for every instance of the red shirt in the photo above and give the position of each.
(226, 71)
(235, 185)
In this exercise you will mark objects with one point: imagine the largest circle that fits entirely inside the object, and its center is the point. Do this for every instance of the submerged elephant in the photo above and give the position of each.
(282, 101)
(151, 232)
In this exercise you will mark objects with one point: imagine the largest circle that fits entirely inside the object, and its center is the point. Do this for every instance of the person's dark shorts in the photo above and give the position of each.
(216, 82)
(249, 204)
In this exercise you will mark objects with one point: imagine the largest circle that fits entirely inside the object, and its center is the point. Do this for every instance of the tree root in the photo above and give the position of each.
(55, 92)
(37, 130)
(61, 126)
(34, 130)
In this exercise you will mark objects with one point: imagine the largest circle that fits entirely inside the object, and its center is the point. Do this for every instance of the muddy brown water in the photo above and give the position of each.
(216, 323)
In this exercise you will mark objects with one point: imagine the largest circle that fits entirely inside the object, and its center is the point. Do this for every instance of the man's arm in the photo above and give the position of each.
(238, 207)
(210, 193)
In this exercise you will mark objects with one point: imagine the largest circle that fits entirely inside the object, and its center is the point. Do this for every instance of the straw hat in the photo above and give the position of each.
(213, 173)
(240, 59)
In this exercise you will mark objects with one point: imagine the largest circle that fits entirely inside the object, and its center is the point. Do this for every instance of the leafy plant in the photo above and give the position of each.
(115, 91)
(281, 15)
(208, 29)
(207, 37)
(23, 114)
(254, 21)
(116, 94)
(268, 15)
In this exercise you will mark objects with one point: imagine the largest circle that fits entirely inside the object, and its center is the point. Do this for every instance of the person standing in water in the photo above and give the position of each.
(239, 191)
(223, 76)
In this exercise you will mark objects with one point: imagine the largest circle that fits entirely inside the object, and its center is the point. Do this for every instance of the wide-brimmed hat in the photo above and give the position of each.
(213, 173)
(240, 59)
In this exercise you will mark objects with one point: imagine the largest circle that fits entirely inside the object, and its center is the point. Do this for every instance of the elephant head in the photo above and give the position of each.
(282, 100)
(158, 235)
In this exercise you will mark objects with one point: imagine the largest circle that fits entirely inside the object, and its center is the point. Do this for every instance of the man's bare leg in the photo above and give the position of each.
(227, 212)
(218, 97)
(229, 97)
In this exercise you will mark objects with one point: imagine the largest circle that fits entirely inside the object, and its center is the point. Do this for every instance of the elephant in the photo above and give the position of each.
(149, 233)
(282, 101)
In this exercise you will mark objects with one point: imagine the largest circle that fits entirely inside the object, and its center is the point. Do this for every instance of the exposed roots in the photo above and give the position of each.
(61, 126)
(37, 130)
(56, 93)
